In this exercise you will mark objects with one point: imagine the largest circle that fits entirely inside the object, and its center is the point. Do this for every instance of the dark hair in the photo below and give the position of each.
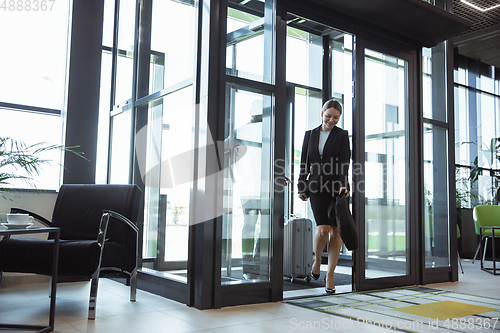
(332, 104)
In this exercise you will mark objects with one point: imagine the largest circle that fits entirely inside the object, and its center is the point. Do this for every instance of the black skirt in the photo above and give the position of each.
(319, 205)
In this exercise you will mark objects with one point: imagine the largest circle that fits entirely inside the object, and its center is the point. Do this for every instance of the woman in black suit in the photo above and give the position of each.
(323, 175)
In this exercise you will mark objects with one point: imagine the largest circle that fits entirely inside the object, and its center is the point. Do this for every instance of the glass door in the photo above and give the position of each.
(383, 188)
(246, 227)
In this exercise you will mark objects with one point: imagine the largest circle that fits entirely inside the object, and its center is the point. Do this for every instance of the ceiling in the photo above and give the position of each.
(482, 40)
(415, 22)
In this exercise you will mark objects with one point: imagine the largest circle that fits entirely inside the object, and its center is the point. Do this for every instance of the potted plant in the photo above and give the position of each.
(494, 190)
(19, 161)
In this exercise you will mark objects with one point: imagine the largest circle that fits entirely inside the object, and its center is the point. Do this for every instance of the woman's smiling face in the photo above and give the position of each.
(330, 118)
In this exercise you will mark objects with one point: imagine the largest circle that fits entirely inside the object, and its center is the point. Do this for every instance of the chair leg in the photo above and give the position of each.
(133, 286)
(460, 262)
(477, 250)
(484, 252)
(93, 294)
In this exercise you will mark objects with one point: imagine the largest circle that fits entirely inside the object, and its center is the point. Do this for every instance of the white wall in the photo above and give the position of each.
(40, 203)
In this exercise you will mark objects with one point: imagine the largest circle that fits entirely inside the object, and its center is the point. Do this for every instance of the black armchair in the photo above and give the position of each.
(98, 237)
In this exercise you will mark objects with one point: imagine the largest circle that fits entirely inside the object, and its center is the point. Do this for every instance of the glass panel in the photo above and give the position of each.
(307, 115)
(124, 66)
(172, 44)
(168, 175)
(304, 58)
(342, 76)
(120, 148)
(103, 126)
(434, 82)
(437, 247)
(462, 154)
(247, 187)
(34, 53)
(386, 166)
(33, 128)
(108, 23)
(124, 76)
(250, 43)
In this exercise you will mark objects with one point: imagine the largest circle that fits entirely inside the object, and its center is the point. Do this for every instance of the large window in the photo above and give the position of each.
(151, 122)
(33, 84)
(477, 130)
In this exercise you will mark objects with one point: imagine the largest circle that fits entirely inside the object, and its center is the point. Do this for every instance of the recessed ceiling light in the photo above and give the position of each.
(479, 8)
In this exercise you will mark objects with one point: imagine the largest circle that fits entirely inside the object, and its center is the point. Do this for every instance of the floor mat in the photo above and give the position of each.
(339, 279)
(412, 309)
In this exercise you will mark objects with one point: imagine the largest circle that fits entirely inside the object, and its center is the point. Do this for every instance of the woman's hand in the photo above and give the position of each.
(303, 196)
(346, 191)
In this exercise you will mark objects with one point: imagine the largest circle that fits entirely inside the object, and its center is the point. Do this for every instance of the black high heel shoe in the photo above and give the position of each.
(315, 276)
(328, 290)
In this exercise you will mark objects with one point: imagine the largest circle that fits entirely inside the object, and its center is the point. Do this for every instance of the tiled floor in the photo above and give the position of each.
(28, 303)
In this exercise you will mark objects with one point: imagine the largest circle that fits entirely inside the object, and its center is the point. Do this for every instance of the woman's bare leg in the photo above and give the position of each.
(333, 255)
(320, 240)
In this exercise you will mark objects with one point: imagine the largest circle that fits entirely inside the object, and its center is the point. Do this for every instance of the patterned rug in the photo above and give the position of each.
(412, 309)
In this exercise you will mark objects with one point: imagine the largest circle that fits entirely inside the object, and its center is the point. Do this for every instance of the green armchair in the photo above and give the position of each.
(487, 225)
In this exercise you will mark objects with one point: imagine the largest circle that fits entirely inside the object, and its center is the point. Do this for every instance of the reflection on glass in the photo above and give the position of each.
(120, 148)
(172, 44)
(386, 166)
(437, 247)
(247, 187)
(34, 128)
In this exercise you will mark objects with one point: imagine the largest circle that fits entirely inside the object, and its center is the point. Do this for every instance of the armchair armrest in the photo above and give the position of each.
(103, 227)
(103, 230)
(37, 217)
(122, 219)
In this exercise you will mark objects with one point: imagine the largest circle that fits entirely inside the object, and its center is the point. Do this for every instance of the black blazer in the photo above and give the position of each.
(330, 172)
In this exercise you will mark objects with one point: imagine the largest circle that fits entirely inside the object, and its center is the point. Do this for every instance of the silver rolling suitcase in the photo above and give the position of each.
(297, 248)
